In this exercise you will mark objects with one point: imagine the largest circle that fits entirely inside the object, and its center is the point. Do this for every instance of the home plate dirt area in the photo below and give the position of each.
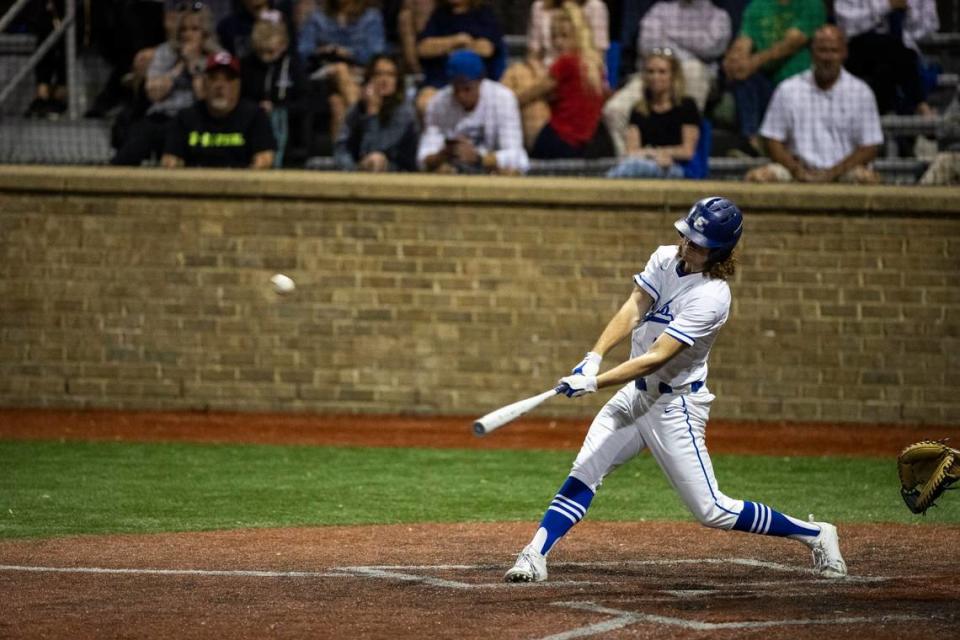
(607, 580)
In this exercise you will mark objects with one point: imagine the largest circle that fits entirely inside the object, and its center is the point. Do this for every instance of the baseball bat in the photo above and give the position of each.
(499, 417)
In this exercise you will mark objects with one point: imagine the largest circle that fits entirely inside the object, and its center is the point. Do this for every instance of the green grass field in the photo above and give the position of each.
(59, 488)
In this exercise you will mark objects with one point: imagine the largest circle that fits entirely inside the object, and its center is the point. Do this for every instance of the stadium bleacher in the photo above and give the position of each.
(86, 141)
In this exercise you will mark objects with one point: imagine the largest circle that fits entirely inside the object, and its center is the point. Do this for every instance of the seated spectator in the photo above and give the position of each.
(541, 54)
(664, 125)
(234, 29)
(696, 32)
(456, 25)
(771, 46)
(173, 80)
(411, 21)
(574, 85)
(272, 76)
(336, 42)
(473, 124)
(133, 79)
(822, 124)
(50, 93)
(883, 48)
(138, 27)
(380, 132)
(223, 129)
(944, 169)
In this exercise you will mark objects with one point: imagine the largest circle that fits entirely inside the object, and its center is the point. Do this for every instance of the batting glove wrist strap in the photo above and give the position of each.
(589, 366)
(577, 385)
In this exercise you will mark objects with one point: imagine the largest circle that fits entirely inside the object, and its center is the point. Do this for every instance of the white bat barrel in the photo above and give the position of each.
(499, 417)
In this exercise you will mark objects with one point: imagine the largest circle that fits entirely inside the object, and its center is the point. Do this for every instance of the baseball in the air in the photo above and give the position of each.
(282, 284)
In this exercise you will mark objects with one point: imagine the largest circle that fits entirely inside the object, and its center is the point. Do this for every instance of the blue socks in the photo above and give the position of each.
(761, 519)
(567, 509)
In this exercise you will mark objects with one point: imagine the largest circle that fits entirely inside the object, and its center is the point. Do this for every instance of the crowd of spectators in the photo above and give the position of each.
(407, 85)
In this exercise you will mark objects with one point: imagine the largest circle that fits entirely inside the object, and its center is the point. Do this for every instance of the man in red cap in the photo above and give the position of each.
(221, 130)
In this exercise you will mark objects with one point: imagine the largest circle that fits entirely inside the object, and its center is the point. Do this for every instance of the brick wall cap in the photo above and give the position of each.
(544, 191)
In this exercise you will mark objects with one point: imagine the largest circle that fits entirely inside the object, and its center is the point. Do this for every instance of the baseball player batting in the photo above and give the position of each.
(676, 309)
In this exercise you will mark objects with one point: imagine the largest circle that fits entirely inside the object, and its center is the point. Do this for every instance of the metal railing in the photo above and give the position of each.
(65, 28)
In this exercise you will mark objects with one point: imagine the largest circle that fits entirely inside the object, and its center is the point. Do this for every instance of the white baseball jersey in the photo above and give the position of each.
(690, 307)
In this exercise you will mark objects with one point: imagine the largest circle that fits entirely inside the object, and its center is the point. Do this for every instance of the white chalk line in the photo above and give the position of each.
(626, 618)
(619, 620)
(402, 572)
(337, 572)
(177, 572)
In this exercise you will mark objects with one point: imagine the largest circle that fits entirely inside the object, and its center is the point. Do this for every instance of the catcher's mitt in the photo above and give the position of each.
(927, 469)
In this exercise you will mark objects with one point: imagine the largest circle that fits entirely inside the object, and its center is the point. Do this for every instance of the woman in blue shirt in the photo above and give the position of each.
(335, 43)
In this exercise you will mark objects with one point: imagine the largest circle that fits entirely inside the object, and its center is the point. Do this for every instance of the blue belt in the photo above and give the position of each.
(663, 387)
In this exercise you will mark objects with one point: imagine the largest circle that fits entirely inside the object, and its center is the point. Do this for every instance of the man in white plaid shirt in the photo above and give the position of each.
(822, 125)
(473, 124)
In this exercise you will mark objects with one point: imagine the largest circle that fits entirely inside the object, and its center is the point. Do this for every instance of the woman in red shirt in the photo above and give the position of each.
(574, 85)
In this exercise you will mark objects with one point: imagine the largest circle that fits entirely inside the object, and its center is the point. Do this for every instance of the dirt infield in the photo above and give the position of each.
(608, 580)
(646, 580)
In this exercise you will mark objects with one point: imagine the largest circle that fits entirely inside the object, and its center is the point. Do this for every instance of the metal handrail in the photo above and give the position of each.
(7, 18)
(66, 26)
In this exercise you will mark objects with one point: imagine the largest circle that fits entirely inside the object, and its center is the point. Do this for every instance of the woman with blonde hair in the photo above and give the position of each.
(541, 54)
(174, 81)
(664, 126)
(574, 87)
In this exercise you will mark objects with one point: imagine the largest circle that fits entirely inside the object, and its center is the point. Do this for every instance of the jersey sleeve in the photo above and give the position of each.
(649, 278)
(701, 318)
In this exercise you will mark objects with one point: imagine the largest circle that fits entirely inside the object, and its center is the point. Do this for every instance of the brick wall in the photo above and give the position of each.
(417, 294)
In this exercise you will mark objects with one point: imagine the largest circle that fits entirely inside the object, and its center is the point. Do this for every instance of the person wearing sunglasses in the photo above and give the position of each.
(695, 31)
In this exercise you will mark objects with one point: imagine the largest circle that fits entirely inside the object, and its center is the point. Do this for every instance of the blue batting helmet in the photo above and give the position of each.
(713, 223)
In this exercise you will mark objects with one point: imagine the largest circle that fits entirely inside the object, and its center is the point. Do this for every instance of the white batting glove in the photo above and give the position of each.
(577, 385)
(589, 366)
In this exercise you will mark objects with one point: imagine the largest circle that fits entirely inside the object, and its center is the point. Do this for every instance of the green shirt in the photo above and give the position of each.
(767, 21)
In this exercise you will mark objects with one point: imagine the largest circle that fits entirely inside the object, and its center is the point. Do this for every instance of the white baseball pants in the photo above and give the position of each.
(672, 426)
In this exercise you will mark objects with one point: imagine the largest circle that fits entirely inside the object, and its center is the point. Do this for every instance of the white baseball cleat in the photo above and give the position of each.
(827, 560)
(531, 566)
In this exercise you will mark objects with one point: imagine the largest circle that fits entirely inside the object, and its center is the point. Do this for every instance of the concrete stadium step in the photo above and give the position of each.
(894, 125)
(37, 141)
(941, 40)
(17, 44)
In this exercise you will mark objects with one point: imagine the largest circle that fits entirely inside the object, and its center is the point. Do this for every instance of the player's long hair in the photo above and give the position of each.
(590, 61)
(724, 269)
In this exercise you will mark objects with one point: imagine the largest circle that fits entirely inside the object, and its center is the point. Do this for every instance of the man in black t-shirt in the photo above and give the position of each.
(222, 130)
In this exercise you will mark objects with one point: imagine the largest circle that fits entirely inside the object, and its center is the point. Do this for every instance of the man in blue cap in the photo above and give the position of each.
(473, 124)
